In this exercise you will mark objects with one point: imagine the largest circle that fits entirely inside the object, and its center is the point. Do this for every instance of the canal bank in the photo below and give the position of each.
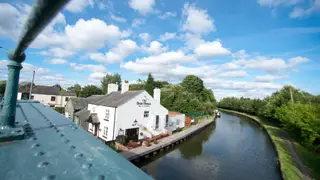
(165, 143)
(290, 163)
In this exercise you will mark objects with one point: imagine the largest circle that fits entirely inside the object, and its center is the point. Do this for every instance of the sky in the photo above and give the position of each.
(247, 48)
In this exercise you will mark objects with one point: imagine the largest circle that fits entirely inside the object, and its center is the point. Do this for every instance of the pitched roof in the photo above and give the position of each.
(80, 102)
(116, 99)
(47, 90)
(53, 145)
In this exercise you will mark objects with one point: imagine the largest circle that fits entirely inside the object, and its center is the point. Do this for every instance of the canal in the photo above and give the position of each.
(233, 147)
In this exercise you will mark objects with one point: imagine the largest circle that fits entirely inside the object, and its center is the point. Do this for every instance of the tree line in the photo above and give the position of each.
(298, 112)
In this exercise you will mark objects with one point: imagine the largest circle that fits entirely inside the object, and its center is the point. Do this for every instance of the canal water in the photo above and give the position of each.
(232, 148)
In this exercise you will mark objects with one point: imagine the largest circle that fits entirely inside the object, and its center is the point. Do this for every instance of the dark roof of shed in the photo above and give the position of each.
(116, 99)
(83, 114)
(67, 94)
(56, 147)
(47, 90)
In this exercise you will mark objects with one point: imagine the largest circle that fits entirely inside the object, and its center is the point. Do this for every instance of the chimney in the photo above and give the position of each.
(156, 94)
(112, 88)
(125, 86)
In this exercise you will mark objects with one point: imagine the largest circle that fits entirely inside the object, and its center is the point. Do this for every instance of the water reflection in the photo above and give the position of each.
(233, 148)
(194, 146)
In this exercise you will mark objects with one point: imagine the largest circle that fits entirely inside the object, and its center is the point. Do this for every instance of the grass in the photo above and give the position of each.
(288, 166)
(310, 160)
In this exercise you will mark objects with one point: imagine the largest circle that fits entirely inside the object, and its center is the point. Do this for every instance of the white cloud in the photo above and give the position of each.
(211, 49)
(230, 66)
(138, 22)
(143, 7)
(92, 34)
(97, 75)
(268, 78)
(58, 61)
(123, 49)
(167, 15)
(155, 48)
(9, 16)
(299, 12)
(77, 6)
(192, 40)
(146, 37)
(118, 19)
(233, 74)
(196, 20)
(240, 54)
(58, 52)
(275, 3)
(89, 67)
(297, 60)
(167, 36)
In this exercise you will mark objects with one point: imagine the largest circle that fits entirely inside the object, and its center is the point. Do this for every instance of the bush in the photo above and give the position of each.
(59, 110)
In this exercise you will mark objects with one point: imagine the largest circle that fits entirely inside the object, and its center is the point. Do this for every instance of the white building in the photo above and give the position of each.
(49, 95)
(134, 114)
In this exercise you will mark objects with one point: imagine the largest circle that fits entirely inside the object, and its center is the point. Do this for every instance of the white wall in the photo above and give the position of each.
(177, 121)
(101, 111)
(60, 101)
(128, 112)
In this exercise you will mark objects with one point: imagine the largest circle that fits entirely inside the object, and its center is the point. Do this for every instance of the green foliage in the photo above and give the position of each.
(90, 90)
(2, 87)
(58, 85)
(75, 89)
(193, 84)
(149, 85)
(298, 115)
(59, 109)
(136, 87)
(108, 79)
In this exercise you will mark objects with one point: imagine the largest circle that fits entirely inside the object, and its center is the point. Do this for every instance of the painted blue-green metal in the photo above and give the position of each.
(56, 148)
(42, 13)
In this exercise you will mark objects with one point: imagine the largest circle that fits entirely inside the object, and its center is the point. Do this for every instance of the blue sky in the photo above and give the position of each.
(239, 48)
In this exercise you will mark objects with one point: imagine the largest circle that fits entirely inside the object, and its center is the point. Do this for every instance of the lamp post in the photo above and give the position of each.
(43, 11)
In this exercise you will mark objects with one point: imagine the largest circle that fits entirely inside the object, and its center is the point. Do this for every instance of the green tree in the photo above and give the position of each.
(108, 79)
(90, 90)
(193, 84)
(2, 87)
(136, 87)
(160, 84)
(150, 85)
(58, 85)
(75, 89)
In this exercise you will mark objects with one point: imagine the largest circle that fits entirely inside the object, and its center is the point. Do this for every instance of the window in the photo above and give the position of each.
(66, 99)
(107, 115)
(32, 97)
(146, 114)
(167, 120)
(53, 98)
(157, 121)
(105, 132)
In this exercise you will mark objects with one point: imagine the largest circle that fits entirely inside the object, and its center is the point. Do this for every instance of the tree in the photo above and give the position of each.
(25, 86)
(193, 84)
(150, 85)
(90, 90)
(58, 85)
(75, 89)
(2, 87)
(108, 79)
(160, 84)
(136, 87)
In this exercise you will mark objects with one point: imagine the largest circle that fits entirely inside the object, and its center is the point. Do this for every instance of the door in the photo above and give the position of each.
(132, 134)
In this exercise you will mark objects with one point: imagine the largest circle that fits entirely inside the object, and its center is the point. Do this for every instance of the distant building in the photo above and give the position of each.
(49, 95)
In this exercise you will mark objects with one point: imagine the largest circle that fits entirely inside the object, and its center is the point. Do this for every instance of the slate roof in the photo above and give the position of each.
(80, 102)
(56, 148)
(47, 90)
(116, 99)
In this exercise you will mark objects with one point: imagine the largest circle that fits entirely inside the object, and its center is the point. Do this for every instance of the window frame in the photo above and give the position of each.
(105, 131)
(146, 114)
(105, 115)
(53, 97)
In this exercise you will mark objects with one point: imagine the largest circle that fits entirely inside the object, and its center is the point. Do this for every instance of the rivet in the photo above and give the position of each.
(66, 140)
(35, 145)
(32, 139)
(99, 177)
(78, 155)
(50, 177)
(74, 128)
(43, 164)
(61, 135)
(86, 166)
(16, 122)
(73, 147)
(57, 130)
(18, 131)
(38, 153)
